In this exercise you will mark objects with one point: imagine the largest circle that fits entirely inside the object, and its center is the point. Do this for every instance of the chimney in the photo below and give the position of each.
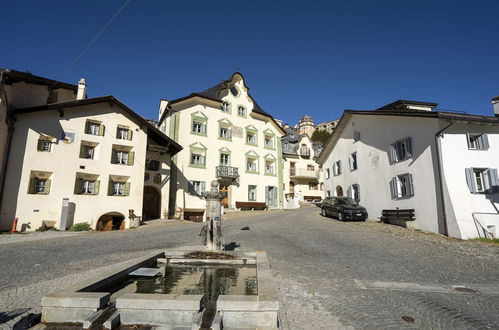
(82, 89)
(495, 104)
(162, 107)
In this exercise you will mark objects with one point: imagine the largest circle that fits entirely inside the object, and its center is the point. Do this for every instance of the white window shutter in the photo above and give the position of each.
(398, 185)
(411, 185)
(470, 180)
(409, 146)
(334, 169)
(494, 180)
(393, 188)
(485, 141)
(349, 192)
(393, 153)
(358, 193)
(468, 140)
(203, 186)
(350, 161)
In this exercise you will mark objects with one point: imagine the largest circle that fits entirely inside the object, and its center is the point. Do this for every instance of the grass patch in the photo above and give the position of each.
(486, 240)
(82, 226)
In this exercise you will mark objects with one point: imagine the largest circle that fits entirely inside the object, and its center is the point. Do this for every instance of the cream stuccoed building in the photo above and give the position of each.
(409, 156)
(88, 160)
(226, 136)
(302, 175)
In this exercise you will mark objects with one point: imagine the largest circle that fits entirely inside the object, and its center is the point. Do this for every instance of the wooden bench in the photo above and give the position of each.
(195, 215)
(397, 215)
(251, 206)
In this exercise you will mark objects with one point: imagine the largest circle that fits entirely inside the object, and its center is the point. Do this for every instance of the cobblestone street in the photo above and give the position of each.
(331, 275)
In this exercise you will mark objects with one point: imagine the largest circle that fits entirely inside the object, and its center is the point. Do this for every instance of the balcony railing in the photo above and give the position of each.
(227, 172)
(304, 152)
(304, 173)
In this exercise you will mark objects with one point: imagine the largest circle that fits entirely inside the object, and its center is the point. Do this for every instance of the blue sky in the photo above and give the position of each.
(316, 56)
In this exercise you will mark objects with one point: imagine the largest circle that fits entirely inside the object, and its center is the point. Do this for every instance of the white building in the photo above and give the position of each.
(302, 175)
(406, 155)
(94, 155)
(228, 137)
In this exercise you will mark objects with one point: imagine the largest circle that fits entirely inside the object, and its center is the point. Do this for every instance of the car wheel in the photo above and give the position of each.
(323, 212)
(340, 216)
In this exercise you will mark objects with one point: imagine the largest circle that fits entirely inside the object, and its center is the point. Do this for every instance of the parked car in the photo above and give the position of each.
(343, 208)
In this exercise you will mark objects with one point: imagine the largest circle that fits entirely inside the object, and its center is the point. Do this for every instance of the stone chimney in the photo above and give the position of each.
(162, 107)
(82, 89)
(495, 104)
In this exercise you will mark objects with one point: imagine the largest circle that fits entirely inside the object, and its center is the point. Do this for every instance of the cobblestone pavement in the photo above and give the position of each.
(330, 274)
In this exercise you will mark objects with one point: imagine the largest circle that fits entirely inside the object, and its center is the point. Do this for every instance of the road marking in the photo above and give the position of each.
(489, 289)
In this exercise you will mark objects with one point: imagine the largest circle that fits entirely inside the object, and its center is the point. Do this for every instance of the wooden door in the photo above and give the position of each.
(225, 189)
(151, 205)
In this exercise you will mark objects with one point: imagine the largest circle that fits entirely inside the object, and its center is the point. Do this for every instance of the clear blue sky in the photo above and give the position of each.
(319, 56)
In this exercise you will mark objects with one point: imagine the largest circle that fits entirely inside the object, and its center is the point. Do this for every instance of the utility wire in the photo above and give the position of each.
(70, 66)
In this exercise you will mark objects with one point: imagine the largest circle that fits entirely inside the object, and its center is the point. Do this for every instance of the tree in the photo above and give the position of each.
(320, 136)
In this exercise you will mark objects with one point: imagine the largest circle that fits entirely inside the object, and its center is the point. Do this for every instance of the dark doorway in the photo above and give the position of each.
(339, 191)
(152, 203)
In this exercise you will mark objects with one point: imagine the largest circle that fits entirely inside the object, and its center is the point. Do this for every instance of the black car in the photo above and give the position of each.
(343, 208)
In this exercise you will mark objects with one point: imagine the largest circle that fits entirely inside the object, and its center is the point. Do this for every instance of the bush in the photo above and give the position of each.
(82, 226)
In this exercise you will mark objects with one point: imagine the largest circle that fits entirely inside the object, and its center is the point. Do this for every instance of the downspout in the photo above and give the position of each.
(10, 133)
(440, 179)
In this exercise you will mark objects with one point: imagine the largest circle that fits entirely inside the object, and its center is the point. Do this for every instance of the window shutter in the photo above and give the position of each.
(494, 180)
(127, 189)
(203, 187)
(470, 180)
(202, 160)
(87, 127)
(190, 187)
(484, 141)
(275, 196)
(110, 188)
(393, 188)
(117, 132)
(82, 151)
(349, 192)
(267, 195)
(409, 146)
(468, 140)
(114, 157)
(47, 187)
(411, 186)
(102, 129)
(393, 153)
(130, 134)
(203, 128)
(40, 146)
(350, 162)
(358, 194)
(77, 186)
(32, 186)
(96, 187)
(339, 167)
(131, 157)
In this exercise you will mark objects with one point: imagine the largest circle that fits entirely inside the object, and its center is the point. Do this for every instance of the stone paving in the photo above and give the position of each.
(331, 275)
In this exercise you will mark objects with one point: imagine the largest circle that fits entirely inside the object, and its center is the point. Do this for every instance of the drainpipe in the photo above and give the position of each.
(5, 160)
(440, 179)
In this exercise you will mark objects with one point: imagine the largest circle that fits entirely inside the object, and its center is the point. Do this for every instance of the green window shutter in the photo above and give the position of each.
(77, 186)
(117, 132)
(32, 185)
(39, 147)
(130, 134)
(82, 151)
(47, 187)
(131, 156)
(127, 189)
(97, 187)
(110, 188)
(87, 127)
(102, 129)
(114, 157)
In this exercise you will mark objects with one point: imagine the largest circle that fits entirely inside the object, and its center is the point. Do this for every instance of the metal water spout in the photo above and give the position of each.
(212, 232)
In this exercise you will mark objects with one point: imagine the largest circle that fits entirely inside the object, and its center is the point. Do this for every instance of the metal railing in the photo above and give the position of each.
(227, 172)
(480, 227)
(304, 173)
(304, 152)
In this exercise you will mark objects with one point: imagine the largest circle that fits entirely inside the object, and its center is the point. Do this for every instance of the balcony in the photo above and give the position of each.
(303, 173)
(304, 152)
(227, 172)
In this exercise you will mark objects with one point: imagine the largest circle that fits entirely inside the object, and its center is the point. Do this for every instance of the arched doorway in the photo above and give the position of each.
(152, 203)
(291, 187)
(339, 191)
(111, 221)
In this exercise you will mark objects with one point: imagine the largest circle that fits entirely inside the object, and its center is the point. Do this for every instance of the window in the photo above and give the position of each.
(44, 145)
(328, 173)
(251, 138)
(337, 168)
(269, 167)
(328, 193)
(482, 180)
(94, 128)
(87, 151)
(252, 193)
(310, 167)
(224, 160)
(402, 186)
(304, 151)
(401, 150)
(197, 159)
(197, 187)
(354, 192)
(225, 133)
(199, 127)
(122, 157)
(252, 165)
(234, 91)
(478, 141)
(119, 188)
(313, 186)
(41, 186)
(225, 107)
(269, 142)
(86, 186)
(241, 111)
(353, 161)
(356, 136)
(124, 133)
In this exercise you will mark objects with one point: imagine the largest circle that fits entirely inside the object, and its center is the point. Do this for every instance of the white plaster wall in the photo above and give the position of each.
(375, 172)
(64, 162)
(237, 146)
(456, 157)
(164, 185)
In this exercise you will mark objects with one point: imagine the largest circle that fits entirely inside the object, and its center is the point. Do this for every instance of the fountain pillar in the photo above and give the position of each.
(214, 240)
